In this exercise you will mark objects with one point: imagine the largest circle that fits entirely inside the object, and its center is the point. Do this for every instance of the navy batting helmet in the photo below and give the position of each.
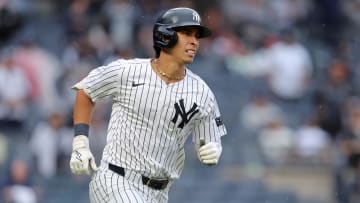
(165, 36)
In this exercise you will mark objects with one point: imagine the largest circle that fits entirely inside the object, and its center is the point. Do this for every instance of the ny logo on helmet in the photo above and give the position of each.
(196, 17)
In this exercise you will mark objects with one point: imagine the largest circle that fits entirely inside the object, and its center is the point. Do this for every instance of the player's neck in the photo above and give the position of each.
(169, 70)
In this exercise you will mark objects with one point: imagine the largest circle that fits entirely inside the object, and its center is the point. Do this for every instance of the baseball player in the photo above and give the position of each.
(157, 104)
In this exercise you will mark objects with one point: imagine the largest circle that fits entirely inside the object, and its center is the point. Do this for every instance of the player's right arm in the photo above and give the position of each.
(83, 108)
(82, 161)
(101, 83)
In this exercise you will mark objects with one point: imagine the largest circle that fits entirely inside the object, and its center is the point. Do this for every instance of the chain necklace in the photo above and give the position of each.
(162, 73)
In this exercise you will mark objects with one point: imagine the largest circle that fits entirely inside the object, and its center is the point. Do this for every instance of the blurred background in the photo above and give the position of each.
(285, 73)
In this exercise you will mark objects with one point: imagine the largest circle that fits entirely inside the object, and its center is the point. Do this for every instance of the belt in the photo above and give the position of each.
(157, 184)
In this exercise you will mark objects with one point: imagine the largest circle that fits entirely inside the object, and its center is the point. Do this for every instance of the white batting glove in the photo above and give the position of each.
(82, 161)
(210, 152)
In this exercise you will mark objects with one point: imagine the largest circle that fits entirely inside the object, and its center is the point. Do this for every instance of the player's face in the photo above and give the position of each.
(187, 44)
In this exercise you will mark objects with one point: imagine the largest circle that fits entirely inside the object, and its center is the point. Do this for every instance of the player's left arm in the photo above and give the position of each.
(209, 153)
(207, 136)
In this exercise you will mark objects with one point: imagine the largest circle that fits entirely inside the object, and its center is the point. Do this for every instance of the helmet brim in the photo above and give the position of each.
(203, 31)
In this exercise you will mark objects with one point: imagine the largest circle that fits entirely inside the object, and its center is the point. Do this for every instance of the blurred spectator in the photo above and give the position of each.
(226, 43)
(144, 44)
(215, 20)
(101, 42)
(121, 17)
(338, 84)
(329, 114)
(312, 145)
(50, 144)
(289, 67)
(238, 12)
(287, 13)
(18, 188)
(14, 91)
(276, 141)
(10, 22)
(350, 146)
(42, 69)
(330, 95)
(77, 19)
(23, 7)
(327, 23)
(248, 19)
(259, 112)
(4, 143)
(224, 40)
(147, 10)
(243, 60)
(82, 51)
(352, 13)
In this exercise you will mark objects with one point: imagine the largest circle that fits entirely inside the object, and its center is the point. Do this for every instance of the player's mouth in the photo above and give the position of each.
(190, 52)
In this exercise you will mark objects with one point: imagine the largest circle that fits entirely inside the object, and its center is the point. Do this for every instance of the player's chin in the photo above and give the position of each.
(189, 60)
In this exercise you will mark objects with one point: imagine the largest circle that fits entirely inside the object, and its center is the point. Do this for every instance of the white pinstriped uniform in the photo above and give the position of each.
(149, 124)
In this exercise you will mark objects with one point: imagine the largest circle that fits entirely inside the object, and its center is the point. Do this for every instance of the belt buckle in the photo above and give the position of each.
(165, 183)
(148, 182)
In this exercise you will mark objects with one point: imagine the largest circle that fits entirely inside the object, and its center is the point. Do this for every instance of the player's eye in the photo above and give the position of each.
(187, 32)
(197, 34)
(191, 33)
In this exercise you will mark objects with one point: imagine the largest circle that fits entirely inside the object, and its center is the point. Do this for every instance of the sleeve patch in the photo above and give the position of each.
(219, 121)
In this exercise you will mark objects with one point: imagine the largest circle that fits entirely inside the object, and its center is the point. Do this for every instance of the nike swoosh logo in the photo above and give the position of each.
(137, 84)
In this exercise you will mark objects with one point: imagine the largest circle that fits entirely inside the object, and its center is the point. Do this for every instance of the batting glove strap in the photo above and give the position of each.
(80, 141)
(82, 161)
(210, 153)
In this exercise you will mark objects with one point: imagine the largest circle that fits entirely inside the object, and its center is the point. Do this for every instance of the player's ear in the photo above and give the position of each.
(165, 38)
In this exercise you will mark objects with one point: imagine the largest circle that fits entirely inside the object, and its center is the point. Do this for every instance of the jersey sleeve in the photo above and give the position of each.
(211, 127)
(102, 82)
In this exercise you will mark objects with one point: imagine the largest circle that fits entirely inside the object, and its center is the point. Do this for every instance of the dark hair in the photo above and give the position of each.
(157, 51)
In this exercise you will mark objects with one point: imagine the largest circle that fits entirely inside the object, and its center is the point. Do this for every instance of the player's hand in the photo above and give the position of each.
(210, 152)
(82, 161)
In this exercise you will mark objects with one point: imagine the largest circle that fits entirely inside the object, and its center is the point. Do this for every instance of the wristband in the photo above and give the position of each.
(81, 129)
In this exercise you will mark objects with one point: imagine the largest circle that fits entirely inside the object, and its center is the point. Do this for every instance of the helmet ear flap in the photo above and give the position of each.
(165, 37)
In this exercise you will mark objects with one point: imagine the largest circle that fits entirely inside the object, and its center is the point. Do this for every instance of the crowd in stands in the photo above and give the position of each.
(285, 73)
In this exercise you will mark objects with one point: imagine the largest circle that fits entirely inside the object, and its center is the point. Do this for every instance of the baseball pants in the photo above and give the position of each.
(107, 186)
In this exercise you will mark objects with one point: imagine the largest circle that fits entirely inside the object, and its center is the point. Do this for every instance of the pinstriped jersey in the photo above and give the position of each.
(151, 120)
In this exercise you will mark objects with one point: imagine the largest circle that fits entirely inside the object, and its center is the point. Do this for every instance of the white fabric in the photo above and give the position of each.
(23, 194)
(276, 142)
(146, 132)
(13, 84)
(289, 68)
(131, 188)
(255, 116)
(82, 161)
(46, 143)
(14, 89)
(311, 141)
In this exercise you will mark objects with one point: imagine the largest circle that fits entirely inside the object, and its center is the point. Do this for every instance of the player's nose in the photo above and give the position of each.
(194, 40)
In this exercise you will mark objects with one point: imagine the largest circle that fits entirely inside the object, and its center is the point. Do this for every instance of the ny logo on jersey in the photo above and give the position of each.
(196, 17)
(185, 116)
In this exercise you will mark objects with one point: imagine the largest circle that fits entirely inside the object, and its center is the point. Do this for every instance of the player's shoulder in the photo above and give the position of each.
(195, 77)
(198, 80)
(125, 63)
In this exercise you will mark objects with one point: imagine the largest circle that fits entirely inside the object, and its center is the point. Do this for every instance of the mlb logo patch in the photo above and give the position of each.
(219, 121)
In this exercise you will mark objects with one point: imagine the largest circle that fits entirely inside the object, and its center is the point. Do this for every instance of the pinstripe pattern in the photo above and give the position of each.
(150, 120)
(109, 187)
